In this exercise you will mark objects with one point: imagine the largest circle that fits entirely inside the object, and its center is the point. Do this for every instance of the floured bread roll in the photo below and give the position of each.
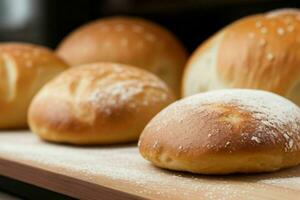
(102, 103)
(259, 52)
(24, 69)
(127, 40)
(225, 131)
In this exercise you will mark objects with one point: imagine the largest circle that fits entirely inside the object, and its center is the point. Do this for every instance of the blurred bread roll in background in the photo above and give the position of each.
(102, 103)
(24, 69)
(260, 51)
(225, 131)
(127, 40)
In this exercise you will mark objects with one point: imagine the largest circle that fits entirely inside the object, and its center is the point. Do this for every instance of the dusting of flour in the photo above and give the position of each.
(121, 167)
(271, 110)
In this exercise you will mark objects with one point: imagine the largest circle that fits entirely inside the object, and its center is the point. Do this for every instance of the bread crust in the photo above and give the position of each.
(127, 40)
(101, 103)
(24, 69)
(259, 52)
(223, 132)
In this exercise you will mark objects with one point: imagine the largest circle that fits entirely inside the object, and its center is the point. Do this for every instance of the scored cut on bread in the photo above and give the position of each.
(24, 69)
(102, 103)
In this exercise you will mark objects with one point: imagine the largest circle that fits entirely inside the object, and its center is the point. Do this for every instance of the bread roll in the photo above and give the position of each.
(225, 131)
(102, 103)
(127, 40)
(24, 69)
(258, 52)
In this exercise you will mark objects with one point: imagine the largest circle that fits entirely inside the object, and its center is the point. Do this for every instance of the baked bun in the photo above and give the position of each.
(24, 69)
(102, 103)
(258, 52)
(130, 41)
(225, 131)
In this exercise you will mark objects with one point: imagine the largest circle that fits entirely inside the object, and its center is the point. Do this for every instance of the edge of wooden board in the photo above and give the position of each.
(60, 183)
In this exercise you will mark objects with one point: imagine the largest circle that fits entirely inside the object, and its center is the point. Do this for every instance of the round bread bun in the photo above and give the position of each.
(225, 131)
(130, 41)
(24, 69)
(101, 103)
(258, 52)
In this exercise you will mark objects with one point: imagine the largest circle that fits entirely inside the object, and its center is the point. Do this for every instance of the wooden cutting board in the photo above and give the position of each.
(119, 172)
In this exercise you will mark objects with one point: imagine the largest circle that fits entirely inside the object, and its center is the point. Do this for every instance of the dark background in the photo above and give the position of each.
(46, 22)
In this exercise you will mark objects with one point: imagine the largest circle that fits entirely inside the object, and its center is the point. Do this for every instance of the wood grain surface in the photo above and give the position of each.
(119, 172)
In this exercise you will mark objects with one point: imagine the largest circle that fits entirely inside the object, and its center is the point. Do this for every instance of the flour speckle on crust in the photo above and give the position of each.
(114, 87)
(278, 119)
(254, 138)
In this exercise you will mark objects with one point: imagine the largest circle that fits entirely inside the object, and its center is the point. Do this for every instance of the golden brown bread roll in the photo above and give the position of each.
(225, 131)
(127, 40)
(102, 103)
(259, 52)
(24, 69)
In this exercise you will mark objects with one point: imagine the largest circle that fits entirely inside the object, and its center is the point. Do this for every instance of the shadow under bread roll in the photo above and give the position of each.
(24, 69)
(225, 131)
(259, 52)
(127, 40)
(102, 103)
